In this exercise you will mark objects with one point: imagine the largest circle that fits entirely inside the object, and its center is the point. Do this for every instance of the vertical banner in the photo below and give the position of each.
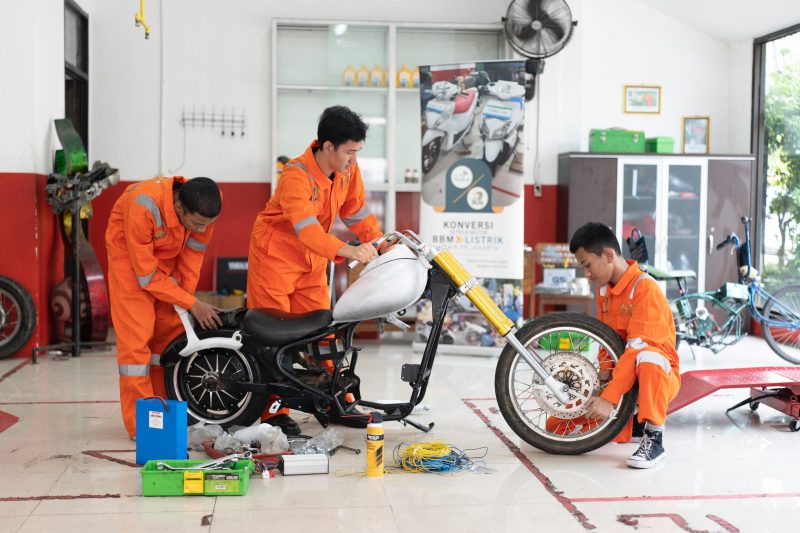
(472, 190)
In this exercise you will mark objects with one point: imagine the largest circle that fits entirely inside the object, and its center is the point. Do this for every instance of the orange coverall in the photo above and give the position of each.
(639, 312)
(290, 244)
(153, 263)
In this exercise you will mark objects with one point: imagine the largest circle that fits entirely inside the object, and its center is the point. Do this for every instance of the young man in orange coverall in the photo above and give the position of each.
(631, 302)
(156, 238)
(290, 245)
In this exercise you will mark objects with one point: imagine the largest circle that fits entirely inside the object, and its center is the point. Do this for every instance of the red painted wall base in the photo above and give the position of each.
(32, 252)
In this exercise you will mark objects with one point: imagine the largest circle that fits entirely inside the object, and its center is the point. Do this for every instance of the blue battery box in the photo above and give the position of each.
(160, 430)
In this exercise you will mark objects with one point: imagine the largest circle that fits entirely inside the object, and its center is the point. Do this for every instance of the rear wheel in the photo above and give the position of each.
(574, 349)
(430, 154)
(17, 317)
(195, 379)
(784, 307)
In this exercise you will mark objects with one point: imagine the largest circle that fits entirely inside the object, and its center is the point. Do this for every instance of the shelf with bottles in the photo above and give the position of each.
(327, 50)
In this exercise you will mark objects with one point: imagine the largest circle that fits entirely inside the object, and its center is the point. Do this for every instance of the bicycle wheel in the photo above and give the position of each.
(784, 307)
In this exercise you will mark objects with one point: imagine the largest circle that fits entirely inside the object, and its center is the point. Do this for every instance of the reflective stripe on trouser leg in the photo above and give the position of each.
(134, 321)
(656, 387)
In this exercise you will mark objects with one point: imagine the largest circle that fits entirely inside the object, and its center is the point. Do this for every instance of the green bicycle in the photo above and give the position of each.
(713, 319)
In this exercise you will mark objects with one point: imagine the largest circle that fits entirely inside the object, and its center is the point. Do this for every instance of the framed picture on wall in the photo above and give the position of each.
(696, 132)
(642, 99)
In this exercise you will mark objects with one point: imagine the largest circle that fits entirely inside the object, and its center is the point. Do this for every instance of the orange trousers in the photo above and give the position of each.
(656, 389)
(275, 283)
(144, 326)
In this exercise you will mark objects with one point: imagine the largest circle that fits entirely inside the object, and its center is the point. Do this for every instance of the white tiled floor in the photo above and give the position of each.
(736, 472)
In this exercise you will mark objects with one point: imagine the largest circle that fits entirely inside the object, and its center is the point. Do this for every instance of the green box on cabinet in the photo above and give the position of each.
(616, 140)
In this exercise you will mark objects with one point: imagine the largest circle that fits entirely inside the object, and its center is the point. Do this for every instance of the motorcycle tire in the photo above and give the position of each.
(505, 375)
(17, 317)
(214, 407)
(430, 154)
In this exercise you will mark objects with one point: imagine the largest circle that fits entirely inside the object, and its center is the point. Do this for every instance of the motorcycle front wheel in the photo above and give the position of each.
(430, 154)
(579, 351)
(193, 380)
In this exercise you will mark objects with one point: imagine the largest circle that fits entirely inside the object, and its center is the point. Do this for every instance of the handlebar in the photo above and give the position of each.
(407, 237)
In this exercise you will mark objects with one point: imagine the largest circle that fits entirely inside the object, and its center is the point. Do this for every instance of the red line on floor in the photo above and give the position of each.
(7, 420)
(515, 195)
(101, 454)
(59, 402)
(681, 522)
(543, 479)
(14, 370)
(64, 497)
(688, 497)
(727, 526)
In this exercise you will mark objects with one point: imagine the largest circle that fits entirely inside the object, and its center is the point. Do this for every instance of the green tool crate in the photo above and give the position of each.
(221, 482)
(660, 145)
(616, 140)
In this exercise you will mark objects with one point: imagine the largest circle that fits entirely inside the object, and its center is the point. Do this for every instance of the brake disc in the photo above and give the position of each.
(575, 371)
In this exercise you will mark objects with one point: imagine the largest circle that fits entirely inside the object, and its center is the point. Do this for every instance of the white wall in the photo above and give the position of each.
(217, 53)
(32, 67)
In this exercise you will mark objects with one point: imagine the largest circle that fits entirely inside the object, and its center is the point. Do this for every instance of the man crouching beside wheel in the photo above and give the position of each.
(632, 304)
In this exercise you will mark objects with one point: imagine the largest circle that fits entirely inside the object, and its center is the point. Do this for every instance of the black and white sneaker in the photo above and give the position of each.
(638, 431)
(650, 452)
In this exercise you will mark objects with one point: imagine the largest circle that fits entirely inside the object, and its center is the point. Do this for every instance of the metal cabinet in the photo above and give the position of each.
(684, 205)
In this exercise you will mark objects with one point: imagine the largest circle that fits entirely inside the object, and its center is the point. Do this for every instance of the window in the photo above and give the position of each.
(76, 69)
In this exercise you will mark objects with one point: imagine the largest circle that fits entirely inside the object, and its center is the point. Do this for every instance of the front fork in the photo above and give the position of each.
(470, 287)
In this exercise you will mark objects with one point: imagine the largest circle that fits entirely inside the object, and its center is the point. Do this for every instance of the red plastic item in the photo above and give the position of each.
(208, 447)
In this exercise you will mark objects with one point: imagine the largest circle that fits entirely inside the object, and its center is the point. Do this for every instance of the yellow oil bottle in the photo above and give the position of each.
(375, 445)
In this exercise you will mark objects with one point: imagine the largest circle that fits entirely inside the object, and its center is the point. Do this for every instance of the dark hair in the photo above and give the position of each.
(594, 237)
(201, 197)
(338, 124)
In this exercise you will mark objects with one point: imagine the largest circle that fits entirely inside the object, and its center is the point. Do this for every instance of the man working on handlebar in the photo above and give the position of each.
(291, 241)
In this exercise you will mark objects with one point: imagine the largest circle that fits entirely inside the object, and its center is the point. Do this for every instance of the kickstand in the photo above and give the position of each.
(409, 422)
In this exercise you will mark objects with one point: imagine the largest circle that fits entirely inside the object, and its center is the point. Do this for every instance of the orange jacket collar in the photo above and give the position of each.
(631, 274)
(170, 216)
(311, 164)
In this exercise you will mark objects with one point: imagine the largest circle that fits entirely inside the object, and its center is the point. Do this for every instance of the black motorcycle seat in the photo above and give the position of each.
(276, 328)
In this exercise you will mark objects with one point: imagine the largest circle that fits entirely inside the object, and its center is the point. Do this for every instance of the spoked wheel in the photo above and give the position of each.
(17, 317)
(578, 351)
(784, 307)
(196, 380)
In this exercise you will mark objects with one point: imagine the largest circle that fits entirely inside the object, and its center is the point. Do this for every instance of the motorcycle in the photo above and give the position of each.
(549, 368)
(501, 121)
(449, 118)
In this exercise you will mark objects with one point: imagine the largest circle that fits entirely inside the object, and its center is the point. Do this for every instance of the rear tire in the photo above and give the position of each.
(535, 334)
(187, 380)
(17, 317)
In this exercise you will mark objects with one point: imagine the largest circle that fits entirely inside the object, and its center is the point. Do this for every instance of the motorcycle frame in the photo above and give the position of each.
(446, 278)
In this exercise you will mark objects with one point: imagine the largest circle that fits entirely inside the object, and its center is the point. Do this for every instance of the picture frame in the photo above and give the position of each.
(642, 99)
(695, 135)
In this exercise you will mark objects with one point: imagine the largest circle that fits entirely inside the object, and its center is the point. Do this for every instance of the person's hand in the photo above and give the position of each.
(600, 408)
(363, 253)
(206, 315)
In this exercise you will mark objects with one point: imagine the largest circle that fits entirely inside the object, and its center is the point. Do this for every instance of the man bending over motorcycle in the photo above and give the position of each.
(291, 241)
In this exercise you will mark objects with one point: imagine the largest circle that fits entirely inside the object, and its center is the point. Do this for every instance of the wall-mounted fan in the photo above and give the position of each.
(537, 29)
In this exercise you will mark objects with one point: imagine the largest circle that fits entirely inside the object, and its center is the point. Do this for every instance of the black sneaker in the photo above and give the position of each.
(650, 452)
(638, 431)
